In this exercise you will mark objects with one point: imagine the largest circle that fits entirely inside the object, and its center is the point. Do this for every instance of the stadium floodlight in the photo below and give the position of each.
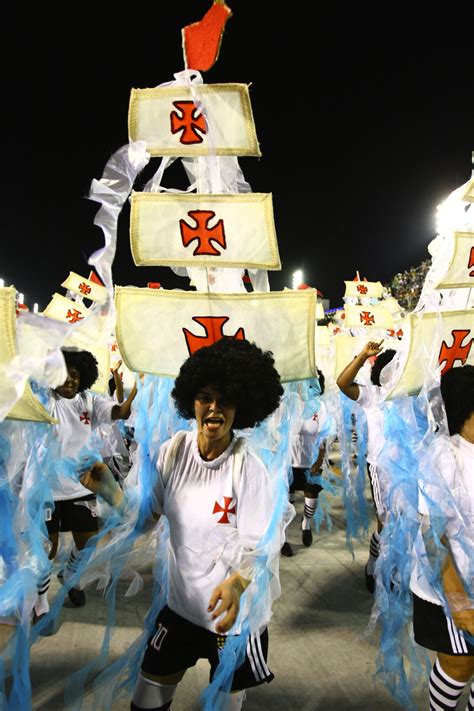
(297, 278)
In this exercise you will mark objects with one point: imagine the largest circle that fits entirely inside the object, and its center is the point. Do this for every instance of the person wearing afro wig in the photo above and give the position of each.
(370, 397)
(216, 494)
(448, 628)
(73, 507)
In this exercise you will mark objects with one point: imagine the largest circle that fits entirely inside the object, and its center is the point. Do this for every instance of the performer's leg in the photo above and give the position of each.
(470, 701)
(448, 678)
(155, 693)
(311, 493)
(286, 548)
(41, 607)
(76, 594)
(232, 701)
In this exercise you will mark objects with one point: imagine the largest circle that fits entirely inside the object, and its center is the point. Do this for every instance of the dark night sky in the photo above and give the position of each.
(361, 134)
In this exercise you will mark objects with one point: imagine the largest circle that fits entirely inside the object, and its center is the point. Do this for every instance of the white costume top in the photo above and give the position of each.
(455, 459)
(303, 455)
(77, 417)
(371, 400)
(209, 522)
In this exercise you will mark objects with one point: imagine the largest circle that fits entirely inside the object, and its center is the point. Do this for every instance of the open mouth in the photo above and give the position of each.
(213, 423)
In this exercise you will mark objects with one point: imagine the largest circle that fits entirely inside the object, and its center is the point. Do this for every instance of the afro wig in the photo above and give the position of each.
(457, 391)
(243, 374)
(86, 365)
(380, 362)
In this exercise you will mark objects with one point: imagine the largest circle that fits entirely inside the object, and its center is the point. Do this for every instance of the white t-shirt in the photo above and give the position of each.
(207, 520)
(455, 460)
(77, 418)
(302, 444)
(371, 399)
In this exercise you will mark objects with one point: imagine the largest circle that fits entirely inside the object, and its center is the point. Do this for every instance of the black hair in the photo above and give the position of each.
(243, 374)
(86, 365)
(380, 362)
(457, 391)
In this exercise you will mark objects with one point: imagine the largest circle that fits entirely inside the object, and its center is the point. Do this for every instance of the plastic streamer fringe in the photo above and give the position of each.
(349, 414)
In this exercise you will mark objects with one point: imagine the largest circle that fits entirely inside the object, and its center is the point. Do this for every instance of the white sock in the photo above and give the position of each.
(444, 691)
(72, 565)
(42, 604)
(470, 701)
(231, 702)
(373, 552)
(309, 511)
(152, 695)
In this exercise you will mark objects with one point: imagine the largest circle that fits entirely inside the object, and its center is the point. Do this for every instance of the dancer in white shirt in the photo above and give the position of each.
(437, 626)
(371, 398)
(217, 496)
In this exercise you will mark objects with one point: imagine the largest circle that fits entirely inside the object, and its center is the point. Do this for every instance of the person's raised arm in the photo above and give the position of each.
(345, 381)
(122, 411)
(118, 381)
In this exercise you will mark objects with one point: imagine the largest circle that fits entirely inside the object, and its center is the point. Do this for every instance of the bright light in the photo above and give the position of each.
(21, 298)
(297, 278)
(2, 283)
(35, 308)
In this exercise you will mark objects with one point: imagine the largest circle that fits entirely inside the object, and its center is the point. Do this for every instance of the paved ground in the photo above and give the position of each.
(318, 652)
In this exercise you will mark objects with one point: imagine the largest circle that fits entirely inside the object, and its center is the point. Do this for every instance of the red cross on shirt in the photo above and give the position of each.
(226, 510)
(85, 418)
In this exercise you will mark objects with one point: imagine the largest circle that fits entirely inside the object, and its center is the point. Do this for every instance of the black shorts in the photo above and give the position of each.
(177, 644)
(79, 515)
(433, 630)
(300, 483)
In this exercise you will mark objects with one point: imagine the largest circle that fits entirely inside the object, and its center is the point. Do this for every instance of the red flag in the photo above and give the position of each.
(93, 277)
(202, 40)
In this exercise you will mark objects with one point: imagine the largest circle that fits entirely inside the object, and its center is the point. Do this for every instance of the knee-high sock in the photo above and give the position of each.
(444, 691)
(309, 511)
(42, 605)
(73, 564)
(470, 701)
(152, 695)
(231, 702)
(373, 552)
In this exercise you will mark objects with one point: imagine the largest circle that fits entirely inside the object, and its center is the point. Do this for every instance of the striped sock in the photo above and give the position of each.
(374, 551)
(470, 701)
(309, 511)
(444, 691)
(72, 564)
(42, 604)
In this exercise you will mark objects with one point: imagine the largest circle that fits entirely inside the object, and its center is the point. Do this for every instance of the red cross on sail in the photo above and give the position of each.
(213, 326)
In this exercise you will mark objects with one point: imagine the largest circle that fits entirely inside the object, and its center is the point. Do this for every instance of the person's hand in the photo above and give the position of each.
(116, 366)
(315, 469)
(372, 348)
(100, 481)
(464, 620)
(228, 595)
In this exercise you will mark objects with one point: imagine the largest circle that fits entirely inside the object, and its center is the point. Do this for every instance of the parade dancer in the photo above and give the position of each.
(370, 397)
(211, 486)
(304, 459)
(437, 627)
(73, 507)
